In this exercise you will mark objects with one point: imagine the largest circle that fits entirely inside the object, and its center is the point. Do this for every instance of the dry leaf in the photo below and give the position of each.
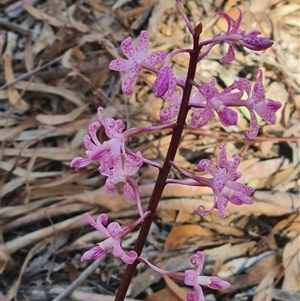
(45, 38)
(163, 294)
(25, 240)
(291, 263)
(264, 291)
(179, 235)
(261, 169)
(180, 292)
(289, 226)
(258, 6)
(34, 250)
(224, 229)
(255, 274)
(15, 9)
(278, 198)
(80, 26)
(38, 14)
(240, 265)
(13, 95)
(42, 88)
(73, 272)
(59, 119)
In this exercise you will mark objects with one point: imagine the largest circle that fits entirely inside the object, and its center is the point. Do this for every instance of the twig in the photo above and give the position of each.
(30, 73)
(16, 28)
(79, 280)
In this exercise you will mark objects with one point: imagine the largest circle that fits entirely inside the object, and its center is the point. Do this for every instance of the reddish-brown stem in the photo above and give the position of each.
(164, 171)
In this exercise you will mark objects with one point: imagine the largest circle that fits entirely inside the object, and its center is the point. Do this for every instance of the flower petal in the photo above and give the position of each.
(130, 80)
(156, 57)
(129, 191)
(190, 277)
(173, 98)
(242, 188)
(93, 128)
(208, 166)
(80, 162)
(222, 159)
(128, 49)
(221, 205)
(143, 44)
(228, 116)
(253, 131)
(209, 90)
(201, 117)
(227, 18)
(229, 56)
(93, 253)
(253, 42)
(236, 197)
(198, 259)
(165, 81)
(115, 230)
(133, 163)
(216, 283)
(119, 252)
(258, 92)
(237, 24)
(122, 65)
(99, 224)
(109, 186)
(267, 111)
(169, 113)
(194, 296)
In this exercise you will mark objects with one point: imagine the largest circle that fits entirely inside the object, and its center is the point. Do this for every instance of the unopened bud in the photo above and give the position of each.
(198, 29)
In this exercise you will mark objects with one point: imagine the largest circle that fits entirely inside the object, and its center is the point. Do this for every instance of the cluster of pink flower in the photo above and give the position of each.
(119, 164)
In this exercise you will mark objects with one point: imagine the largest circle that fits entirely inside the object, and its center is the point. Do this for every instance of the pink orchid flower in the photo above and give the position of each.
(137, 59)
(224, 184)
(95, 151)
(105, 154)
(193, 278)
(121, 172)
(238, 37)
(264, 107)
(256, 102)
(212, 101)
(114, 232)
